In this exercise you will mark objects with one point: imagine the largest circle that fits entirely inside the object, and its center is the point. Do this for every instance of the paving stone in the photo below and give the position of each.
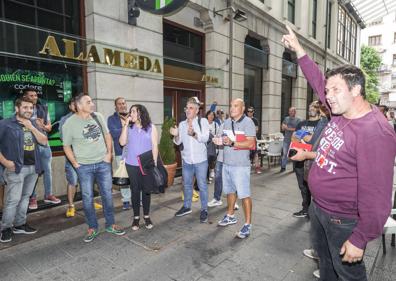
(10, 270)
(91, 267)
(53, 275)
(40, 257)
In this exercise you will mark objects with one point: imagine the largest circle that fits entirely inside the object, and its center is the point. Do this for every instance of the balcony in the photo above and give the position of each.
(385, 68)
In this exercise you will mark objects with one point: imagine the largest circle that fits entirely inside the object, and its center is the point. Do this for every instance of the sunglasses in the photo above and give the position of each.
(250, 111)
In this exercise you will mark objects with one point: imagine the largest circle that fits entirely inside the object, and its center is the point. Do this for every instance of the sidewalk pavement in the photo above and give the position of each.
(182, 248)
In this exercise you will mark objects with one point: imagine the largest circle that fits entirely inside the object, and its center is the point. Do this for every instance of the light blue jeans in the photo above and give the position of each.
(200, 171)
(101, 173)
(125, 190)
(285, 150)
(45, 160)
(218, 185)
(17, 191)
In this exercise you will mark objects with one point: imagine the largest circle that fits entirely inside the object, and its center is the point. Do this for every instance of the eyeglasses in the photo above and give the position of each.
(250, 111)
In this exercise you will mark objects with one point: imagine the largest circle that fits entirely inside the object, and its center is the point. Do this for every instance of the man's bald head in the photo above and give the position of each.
(237, 108)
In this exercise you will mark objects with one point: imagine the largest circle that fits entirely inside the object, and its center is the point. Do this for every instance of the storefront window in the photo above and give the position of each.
(21, 36)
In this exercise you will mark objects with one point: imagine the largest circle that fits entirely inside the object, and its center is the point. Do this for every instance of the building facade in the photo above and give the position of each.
(381, 35)
(69, 46)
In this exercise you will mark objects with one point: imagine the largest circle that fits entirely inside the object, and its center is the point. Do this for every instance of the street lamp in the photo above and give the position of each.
(239, 16)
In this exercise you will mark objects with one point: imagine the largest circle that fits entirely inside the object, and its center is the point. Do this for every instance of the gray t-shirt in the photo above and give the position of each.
(291, 122)
(86, 138)
(232, 156)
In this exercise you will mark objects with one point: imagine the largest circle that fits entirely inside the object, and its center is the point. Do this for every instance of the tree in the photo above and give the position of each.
(370, 61)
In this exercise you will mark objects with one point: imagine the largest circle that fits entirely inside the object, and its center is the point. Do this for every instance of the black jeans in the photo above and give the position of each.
(328, 234)
(303, 185)
(136, 179)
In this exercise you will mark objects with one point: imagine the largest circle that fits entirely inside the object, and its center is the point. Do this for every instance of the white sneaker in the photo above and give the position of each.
(215, 203)
(310, 253)
(236, 206)
(316, 273)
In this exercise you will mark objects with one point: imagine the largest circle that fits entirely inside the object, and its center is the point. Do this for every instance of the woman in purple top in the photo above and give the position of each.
(138, 136)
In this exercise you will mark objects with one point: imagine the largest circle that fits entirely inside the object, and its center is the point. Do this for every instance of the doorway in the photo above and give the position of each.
(175, 100)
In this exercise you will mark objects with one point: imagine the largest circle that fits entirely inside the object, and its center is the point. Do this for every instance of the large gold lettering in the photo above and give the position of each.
(156, 67)
(144, 63)
(69, 48)
(130, 61)
(112, 58)
(50, 47)
(92, 55)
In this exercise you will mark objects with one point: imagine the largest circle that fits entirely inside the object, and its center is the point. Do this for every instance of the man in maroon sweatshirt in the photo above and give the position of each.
(351, 177)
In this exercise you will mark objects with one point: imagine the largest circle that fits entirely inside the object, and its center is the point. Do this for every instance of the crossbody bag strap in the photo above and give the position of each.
(95, 118)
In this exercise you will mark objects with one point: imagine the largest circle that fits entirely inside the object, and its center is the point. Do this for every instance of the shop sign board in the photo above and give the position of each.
(162, 7)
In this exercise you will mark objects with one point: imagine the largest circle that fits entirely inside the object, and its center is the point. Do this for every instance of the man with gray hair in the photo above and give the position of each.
(192, 136)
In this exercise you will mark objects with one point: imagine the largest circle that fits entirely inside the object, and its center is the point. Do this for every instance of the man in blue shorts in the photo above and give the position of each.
(238, 137)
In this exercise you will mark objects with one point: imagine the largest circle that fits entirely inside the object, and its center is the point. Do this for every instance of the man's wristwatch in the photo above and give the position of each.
(194, 134)
(232, 144)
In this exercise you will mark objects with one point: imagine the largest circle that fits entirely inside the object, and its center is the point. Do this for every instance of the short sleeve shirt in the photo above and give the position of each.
(291, 123)
(86, 138)
(232, 156)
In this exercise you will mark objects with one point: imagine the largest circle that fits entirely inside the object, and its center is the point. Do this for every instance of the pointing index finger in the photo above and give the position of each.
(291, 32)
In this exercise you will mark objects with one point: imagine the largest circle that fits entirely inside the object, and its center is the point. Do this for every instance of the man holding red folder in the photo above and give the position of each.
(302, 137)
(238, 137)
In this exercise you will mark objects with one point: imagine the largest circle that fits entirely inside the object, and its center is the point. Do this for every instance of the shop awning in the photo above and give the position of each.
(369, 10)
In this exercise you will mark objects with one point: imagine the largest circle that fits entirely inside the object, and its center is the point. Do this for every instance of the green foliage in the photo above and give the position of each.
(370, 61)
(166, 146)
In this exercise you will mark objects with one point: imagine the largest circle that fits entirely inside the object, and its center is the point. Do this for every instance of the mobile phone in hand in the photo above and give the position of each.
(292, 152)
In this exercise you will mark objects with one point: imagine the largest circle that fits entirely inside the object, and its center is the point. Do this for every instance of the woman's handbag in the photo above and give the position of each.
(120, 176)
(155, 178)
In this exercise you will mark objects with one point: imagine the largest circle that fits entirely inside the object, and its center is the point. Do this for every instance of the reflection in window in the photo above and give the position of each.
(291, 10)
(346, 36)
(314, 17)
(59, 15)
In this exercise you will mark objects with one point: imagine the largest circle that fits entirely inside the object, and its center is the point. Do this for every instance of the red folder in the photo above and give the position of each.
(240, 136)
(301, 145)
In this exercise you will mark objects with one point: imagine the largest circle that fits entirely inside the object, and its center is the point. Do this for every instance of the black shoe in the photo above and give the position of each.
(6, 235)
(203, 217)
(24, 229)
(282, 170)
(148, 223)
(183, 211)
(300, 214)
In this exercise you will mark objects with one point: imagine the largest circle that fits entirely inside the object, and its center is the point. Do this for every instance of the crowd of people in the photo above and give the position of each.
(344, 170)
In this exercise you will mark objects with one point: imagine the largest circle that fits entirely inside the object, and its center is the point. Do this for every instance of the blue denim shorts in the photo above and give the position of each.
(236, 179)
(71, 174)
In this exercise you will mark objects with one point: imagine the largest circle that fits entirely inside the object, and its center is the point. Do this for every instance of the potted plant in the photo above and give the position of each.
(167, 149)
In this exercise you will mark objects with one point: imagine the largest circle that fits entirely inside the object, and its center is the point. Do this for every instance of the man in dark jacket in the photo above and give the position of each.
(20, 157)
(115, 127)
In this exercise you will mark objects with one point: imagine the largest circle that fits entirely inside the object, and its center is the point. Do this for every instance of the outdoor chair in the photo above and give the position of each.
(274, 151)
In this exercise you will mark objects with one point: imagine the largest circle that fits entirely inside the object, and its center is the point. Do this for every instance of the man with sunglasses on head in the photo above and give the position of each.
(193, 134)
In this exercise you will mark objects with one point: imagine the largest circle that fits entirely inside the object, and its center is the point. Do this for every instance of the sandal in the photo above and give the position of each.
(148, 223)
(135, 224)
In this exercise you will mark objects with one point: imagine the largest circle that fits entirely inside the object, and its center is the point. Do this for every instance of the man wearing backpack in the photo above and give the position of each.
(192, 135)
(88, 146)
